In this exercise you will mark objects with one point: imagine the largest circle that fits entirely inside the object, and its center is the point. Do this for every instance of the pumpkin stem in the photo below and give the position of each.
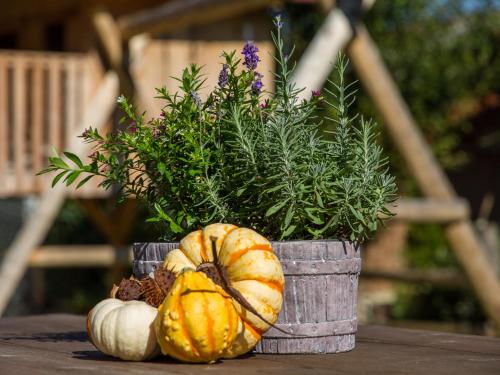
(234, 293)
(214, 249)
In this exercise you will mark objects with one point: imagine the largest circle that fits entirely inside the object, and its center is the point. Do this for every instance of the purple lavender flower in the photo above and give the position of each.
(316, 93)
(257, 84)
(196, 99)
(156, 132)
(250, 53)
(163, 114)
(278, 22)
(223, 76)
(264, 104)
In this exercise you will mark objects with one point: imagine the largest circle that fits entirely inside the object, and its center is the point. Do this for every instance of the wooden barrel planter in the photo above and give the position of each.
(321, 284)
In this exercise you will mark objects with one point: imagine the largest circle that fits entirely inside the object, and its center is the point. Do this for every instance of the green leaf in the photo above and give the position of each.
(288, 217)
(47, 170)
(240, 191)
(162, 168)
(71, 177)
(356, 214)
(311, 215)
(74, 158)
(174, 227)
(84, 181)
(275, 188)
(319, 200)
(288, 231)
(58, 177)
(272, 210)
(58, 162)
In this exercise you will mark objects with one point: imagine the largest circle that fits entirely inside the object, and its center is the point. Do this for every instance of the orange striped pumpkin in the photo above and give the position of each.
(252, 268)
(197, 321)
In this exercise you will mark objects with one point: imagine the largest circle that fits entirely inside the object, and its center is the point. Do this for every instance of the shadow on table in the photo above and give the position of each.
(70, 336)
(95, 355)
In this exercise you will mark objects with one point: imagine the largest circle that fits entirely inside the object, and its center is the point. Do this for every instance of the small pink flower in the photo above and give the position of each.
(133, 127)
(264, 104)
(316, 93)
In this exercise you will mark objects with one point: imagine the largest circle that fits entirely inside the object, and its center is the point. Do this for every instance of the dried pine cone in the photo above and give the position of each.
(153, 295)
(129, 290)
(165, 279)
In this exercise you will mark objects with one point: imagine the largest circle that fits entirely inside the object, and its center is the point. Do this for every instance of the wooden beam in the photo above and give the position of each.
(111, 41)
(404, 131)
(464, 241)
(80, 256)
(176, 15)
(35, 228)
(317, 61)
(4, 120)
(109, 37)
(19, 128)
(442, 277)
(430, 210)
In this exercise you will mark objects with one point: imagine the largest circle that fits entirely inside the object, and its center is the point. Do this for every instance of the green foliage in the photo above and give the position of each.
(444, 58)
(240, 158)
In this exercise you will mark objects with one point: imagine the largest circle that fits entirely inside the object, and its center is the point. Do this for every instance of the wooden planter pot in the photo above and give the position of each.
(321, 285)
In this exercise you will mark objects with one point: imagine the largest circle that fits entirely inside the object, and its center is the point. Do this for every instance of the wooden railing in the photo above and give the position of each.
(42, 98)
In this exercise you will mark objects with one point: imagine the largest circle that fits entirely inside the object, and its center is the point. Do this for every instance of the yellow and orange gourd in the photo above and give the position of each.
(197, 320)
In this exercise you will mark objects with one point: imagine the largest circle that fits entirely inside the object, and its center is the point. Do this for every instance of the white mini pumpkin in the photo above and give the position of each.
(123, 329)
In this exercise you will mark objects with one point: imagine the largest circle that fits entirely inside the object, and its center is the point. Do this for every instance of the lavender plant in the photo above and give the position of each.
(245, 156)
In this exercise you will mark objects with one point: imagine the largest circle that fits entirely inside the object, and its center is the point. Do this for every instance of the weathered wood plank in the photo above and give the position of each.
(79, 256)
(19, 128)
(4, 144)
(70, 100)
(55, 110)
(430, 210)
(37, 121)
(58, 344)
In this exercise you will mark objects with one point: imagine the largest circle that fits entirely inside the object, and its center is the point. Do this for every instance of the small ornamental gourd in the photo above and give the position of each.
(123, 329)
(197, 321)
(246, 268)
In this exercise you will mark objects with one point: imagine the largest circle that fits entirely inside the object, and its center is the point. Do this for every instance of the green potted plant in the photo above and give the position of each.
(262, 161)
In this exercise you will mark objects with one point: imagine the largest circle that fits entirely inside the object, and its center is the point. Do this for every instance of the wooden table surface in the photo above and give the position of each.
(51, 344)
